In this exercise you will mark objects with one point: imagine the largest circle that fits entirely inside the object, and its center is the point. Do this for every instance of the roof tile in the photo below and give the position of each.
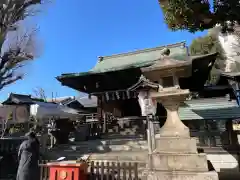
(138, 58)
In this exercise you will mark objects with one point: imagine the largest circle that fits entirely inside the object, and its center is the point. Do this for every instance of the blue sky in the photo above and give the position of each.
(75, 32)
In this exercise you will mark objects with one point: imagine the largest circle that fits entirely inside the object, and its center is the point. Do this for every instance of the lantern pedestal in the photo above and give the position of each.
(173, 126)
(176, 156)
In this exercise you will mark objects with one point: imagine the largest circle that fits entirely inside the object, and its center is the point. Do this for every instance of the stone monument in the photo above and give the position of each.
(175, 156)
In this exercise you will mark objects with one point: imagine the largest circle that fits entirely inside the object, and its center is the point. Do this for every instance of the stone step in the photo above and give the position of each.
(117, 144)
(77, 149)
(113, 136)
(136, 156)
(178, 162)
(180, 175)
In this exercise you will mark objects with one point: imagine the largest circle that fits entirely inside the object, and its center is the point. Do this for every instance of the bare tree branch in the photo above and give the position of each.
(22, 49)
(40, 93)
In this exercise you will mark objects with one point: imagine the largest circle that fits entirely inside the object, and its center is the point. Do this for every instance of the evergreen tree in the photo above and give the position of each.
(209, 44)
(195, 15)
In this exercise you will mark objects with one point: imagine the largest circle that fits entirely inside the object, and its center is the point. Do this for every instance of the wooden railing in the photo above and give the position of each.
(44, 170)
(91, 117)
(102, 170)
(113, 170)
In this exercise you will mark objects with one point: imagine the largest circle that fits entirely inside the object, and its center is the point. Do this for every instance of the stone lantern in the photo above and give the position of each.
(175, 156)
(167, 73)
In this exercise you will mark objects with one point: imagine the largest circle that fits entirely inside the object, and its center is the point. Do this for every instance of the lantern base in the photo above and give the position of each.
(178, 175)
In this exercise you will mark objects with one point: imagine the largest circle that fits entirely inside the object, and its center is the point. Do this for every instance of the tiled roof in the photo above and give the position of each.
(135, 59)
(18, 99)
(138, 58)
(21, 99)
(209, 108)
(60, 99)
(87, 102)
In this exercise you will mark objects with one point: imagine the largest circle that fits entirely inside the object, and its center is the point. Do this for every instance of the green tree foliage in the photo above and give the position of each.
(195, 15)
(12, 12)
(209, 44)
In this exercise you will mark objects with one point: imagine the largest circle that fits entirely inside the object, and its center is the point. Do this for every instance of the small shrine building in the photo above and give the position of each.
(110, 79)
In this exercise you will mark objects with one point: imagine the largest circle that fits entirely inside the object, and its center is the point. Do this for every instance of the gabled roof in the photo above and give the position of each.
(20, 99)
(60, 99)
(88, 102)
(134, 59)
(111, 72)
(138, 58)
(84, 101)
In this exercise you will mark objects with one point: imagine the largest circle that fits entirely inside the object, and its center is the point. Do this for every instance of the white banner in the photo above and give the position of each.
(148, 106)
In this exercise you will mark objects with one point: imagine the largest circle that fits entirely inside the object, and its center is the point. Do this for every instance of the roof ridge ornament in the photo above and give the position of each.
(165, 52)
(100, 58)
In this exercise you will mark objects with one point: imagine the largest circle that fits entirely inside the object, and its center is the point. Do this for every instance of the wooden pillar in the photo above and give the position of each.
(229, 128)
(101, 113)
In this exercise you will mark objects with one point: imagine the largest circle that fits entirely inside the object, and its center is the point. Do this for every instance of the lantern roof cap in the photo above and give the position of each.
(144, 83)
(166, 62)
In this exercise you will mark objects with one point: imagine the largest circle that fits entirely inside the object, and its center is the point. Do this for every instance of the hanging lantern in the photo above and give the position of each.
(117, 95)
(107, 96)
(113, 96)
(128, 95)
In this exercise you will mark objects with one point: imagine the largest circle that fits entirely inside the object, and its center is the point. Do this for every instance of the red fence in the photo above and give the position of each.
(99, 170)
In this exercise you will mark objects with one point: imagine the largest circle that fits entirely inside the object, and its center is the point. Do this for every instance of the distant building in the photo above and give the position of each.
(60, 99)
(16, 108)
(84, 103)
